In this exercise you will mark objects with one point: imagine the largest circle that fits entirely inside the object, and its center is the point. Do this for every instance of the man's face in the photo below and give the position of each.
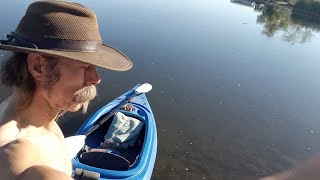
(74, 87)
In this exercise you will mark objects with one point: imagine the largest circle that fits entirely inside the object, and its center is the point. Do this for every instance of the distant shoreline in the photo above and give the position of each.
(280, 4)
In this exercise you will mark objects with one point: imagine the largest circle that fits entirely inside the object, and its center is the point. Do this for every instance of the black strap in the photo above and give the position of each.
(52, 43)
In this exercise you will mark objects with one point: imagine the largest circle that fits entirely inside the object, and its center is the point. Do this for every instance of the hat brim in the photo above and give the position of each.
(106, 57)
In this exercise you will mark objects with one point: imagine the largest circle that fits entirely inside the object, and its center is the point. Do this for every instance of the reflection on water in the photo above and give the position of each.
(293, 30)
(296, 23)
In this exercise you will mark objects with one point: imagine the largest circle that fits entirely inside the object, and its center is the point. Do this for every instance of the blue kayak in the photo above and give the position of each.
(135, 162)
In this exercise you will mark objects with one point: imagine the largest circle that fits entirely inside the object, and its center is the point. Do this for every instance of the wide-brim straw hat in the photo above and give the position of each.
(64, 30)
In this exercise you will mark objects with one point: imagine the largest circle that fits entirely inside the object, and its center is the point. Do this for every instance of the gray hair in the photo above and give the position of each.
(15, 74)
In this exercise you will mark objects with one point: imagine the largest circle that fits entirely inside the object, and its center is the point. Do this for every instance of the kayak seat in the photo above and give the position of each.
(104, 160)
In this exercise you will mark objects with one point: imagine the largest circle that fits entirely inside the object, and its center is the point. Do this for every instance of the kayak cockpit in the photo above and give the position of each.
(118, 159)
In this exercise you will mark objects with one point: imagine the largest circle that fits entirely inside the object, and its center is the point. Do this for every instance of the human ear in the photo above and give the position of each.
(36, 65)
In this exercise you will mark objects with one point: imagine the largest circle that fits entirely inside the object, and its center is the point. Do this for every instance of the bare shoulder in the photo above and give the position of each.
(308, 170)
(22, 158)
(15, 157)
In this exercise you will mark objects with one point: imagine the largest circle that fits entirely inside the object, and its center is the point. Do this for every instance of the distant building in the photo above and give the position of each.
(249, 3)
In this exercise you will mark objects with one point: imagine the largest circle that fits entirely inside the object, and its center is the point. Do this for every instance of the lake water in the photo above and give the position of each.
(235, 95)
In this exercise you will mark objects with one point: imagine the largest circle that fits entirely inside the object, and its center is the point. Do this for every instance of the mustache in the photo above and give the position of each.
(85, 96)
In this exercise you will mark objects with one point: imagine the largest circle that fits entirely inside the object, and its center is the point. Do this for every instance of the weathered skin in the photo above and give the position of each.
(32, 145)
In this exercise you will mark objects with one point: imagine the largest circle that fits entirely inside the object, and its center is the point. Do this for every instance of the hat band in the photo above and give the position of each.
(54, 43)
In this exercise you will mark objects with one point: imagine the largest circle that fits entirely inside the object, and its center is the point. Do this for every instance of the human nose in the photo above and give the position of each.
(92, 76)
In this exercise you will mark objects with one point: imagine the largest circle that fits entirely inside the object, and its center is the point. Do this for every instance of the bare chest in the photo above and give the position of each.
(50, 147)
(53, 153)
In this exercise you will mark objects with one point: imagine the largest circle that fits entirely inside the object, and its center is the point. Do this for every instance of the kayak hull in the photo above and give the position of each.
(143, 167)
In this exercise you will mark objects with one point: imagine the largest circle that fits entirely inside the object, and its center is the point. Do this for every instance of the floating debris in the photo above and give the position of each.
(161, 92)
(308, 148)
(187, 169)
(164, 130)
(311, 132)
(191, 143)
(239, 85)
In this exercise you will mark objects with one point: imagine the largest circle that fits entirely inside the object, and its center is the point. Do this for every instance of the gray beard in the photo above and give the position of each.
(85, 96)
